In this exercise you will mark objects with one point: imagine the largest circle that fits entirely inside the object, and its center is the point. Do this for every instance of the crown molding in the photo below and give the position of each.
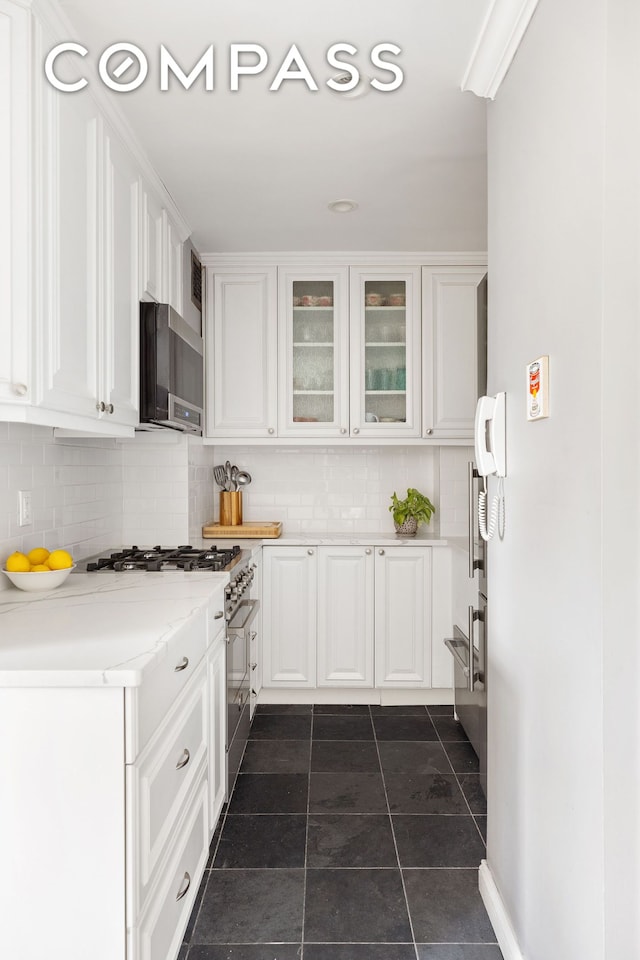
(346, 257)
(500, 36)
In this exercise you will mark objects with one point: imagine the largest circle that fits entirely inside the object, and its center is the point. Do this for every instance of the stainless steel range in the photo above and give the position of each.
(240, 612)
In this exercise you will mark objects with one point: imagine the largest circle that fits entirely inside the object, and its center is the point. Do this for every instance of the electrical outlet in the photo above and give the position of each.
(25, 513)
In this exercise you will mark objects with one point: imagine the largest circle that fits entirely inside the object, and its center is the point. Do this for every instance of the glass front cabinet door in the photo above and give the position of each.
(313, 337)
(385, 352)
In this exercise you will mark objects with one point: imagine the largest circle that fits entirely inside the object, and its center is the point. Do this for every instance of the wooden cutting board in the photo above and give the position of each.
(244, 531)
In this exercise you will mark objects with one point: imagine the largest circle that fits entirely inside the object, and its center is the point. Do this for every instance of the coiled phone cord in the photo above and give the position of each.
(497, 511)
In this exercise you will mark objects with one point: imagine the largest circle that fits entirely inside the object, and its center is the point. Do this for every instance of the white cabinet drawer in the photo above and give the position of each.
(161, 779)
(147, 705)
(159, 934)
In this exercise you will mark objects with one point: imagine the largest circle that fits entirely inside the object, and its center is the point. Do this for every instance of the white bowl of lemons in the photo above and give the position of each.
(38, 570)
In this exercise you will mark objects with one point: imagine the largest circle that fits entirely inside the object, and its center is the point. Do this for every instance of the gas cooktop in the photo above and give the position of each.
(158, 559)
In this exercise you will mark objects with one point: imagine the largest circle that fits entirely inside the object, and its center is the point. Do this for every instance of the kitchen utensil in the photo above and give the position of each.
(219, 476)
(243, 478)
(227, 473)
(234, 478)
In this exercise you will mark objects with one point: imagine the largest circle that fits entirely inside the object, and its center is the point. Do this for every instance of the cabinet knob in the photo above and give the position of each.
(343, 430)
(184, 663)
(428, 432)
(110, 408)
(19, 389)
(218, 615)
(271, 431)
(356, 430)
(381, 552)
(368, 551)
(101, 406)
(184, 759)
(310, 552)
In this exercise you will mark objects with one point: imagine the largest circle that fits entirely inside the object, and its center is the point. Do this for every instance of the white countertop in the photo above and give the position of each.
(335, 539)
(97, 629)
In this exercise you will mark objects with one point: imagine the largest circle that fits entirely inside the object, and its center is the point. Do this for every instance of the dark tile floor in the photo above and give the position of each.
(353, 833)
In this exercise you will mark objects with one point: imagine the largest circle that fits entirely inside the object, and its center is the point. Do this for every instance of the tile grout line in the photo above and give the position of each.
(455, 773)
(306, 842)
(393, 835)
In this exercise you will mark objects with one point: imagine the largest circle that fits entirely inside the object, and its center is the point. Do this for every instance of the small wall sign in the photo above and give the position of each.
(538, 389)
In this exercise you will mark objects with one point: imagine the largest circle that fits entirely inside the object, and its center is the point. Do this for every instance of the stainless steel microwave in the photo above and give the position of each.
(171, 370)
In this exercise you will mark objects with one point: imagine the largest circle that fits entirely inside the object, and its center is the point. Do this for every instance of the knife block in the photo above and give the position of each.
(230, 508)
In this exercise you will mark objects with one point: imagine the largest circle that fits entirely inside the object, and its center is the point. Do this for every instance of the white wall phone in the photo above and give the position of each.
(490, 444)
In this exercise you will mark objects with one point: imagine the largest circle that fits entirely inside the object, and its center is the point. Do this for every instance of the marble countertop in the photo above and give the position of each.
(101, 629)
(338, 538)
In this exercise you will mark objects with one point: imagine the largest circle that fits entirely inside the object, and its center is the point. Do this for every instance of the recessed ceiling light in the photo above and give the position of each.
(362, 87)
(342, 206)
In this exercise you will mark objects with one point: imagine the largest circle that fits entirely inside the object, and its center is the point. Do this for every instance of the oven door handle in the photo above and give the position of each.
(244, 614)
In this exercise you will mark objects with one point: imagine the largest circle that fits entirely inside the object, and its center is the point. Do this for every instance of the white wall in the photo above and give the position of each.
(563, 628)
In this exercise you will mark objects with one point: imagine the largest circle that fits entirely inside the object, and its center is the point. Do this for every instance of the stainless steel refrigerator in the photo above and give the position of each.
(469, 642)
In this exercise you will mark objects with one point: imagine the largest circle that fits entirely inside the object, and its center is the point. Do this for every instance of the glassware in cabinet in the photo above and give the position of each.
(385, 352)
(314, 338)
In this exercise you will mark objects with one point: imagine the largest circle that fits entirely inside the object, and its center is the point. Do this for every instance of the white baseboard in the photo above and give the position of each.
(498, 914)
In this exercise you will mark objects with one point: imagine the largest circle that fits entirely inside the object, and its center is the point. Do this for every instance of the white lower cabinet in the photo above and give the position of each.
(117, 781)
(352, 616)
(403, 617)
(217, 676)
(289, 619)
(161, 928)
(345, 616)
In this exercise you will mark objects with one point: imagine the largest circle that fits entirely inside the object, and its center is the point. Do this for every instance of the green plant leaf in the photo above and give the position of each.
(415, 505)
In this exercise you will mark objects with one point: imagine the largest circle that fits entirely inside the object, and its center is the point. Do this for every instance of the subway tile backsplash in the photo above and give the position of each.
(325, 489)
(76, 490)
(91, 494)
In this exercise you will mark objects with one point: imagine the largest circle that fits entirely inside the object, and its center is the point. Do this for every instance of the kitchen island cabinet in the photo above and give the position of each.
(105, 687)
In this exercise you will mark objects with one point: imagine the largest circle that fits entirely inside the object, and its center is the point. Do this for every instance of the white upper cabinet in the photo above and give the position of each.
(241, 353)
(160, 250)
(385, 352)
(70, 357)
(454, 340)
(16, 291)
(151, 247)
(83, 237)
(120, 312)
(313, 360)
(172, 264)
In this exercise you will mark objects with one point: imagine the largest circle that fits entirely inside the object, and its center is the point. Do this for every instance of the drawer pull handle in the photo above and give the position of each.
(182, 665)
(183, 893)
(186, 757)
(219, 615)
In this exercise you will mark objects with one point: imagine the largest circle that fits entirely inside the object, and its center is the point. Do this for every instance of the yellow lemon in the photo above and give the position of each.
(18, 563)
(38, 555)
(59, 560)
(40, 568)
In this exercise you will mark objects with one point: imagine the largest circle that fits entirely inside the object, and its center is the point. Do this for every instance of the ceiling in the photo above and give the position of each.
(254, 170)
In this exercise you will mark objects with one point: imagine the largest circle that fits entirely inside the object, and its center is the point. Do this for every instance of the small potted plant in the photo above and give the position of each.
(409, 513)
